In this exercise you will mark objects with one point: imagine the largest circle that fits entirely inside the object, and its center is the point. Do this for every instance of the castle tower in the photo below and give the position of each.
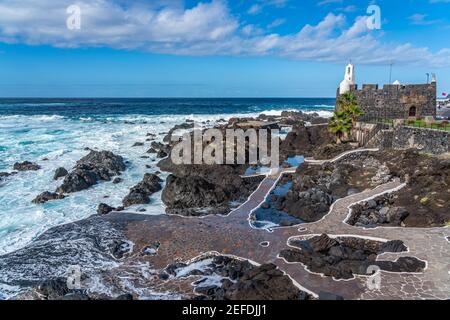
(433, 78)
(349, 79)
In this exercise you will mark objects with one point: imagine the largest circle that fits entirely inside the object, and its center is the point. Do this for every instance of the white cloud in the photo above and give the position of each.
(255, 9)
(350, 8)
(327, 2)
(208, 28)
(258, 7)
(276, 23)
(421, 20)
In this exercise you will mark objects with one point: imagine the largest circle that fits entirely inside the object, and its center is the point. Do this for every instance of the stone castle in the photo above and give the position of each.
(393, 101)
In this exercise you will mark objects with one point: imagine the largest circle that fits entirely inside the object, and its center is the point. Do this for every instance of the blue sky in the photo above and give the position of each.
(217, 48)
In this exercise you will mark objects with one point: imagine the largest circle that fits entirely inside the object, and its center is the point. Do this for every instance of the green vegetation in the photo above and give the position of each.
(419, 123)
(345, 118)
(340, 124)
(346, 100)
(415, 123)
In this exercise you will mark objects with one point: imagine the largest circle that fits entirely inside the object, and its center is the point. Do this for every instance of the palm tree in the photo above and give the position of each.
(354, 112)
(340, 124)
(346, 100)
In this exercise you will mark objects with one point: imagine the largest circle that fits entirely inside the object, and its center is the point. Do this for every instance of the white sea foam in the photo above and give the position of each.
(62, 141)
(198, 265)
(321, 113)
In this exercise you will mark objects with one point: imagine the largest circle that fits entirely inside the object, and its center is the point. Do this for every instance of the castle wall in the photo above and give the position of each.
(425, 140)
(395, 101)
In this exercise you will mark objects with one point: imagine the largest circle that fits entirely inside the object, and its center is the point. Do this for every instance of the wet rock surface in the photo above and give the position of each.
(344, 257)
(103, 208)
(138, 144)
(117, 180)
(240, 280)
(161, 150)
(47, 196)
(380, 211)
(140, 194)
(100, 246)
(195, 190)
(423, 202)
(312, 141)
(5, 175)
(57, 289)
(206, 189)
(89, 170)
(182, 126)
(294, 117)
(59, 173)
(315, 188)
(88, 243)
(264, 283)
(426, 196)
(26, 166)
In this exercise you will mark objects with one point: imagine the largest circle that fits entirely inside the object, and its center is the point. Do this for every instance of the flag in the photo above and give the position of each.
(444, 94)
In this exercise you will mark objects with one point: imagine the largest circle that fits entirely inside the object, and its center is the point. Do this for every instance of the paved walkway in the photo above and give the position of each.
(339, 157)
(183, 238)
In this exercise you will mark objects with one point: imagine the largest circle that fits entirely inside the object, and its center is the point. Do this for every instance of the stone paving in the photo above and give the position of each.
(183, 239)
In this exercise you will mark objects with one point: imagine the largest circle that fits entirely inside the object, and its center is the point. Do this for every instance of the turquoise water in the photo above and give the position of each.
(60, 130)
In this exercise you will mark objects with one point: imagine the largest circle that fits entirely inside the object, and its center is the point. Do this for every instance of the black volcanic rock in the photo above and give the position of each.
(140, 193)
(312, 141)
(138, 144)
(265, 282)
(117, 180)
(59, 173)
(241, 281)
(7, 174)
(26, 166)
(162, 150)
(161, 154)
(182, 126)
(422, 203)
(4, 175)
(343, 257)
(47, 196)
(96, 166)
(194, 190)
(104, 208)
(315, 187)
(53, 289)
(379, 211)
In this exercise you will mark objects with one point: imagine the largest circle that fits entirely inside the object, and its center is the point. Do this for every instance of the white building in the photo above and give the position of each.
(349, 79)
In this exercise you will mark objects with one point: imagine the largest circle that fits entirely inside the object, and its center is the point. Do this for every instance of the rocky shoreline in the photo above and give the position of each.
(345, 257)
(114, 242)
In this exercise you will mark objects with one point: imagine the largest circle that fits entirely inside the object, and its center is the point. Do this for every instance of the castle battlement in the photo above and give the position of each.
(394, 101)
(391, 87)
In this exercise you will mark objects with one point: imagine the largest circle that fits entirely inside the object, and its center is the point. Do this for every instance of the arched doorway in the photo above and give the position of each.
(412, 112)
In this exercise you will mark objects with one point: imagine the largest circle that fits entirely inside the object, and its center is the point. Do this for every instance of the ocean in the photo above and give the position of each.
(55, 132)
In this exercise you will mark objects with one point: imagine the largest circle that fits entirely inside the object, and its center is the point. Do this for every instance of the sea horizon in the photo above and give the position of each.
(59, 130)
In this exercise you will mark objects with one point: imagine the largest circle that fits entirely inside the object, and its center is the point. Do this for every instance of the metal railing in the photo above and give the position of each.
(380, 124)
(386, 123)
(438, 125)
(369, 136)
